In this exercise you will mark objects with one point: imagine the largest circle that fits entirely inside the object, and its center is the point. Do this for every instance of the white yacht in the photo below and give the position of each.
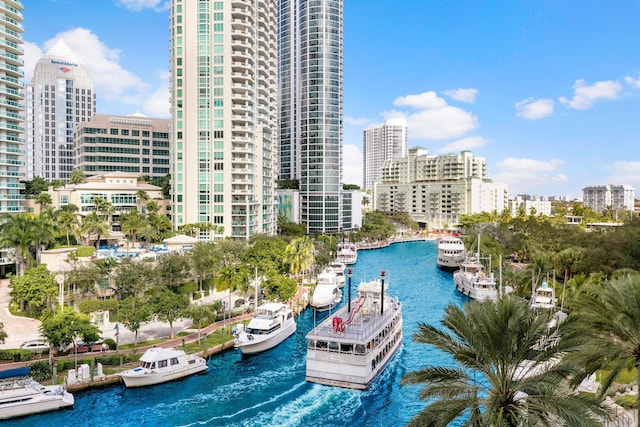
(347, 252)
(160, 365)
(451, 253)
(472, 281)
(20, 396)
(339, 267)
(544, 296)
(327, 293)
(271, 324)
(352, 347)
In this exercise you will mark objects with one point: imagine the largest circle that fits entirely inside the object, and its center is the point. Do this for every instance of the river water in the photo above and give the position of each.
(269, 389)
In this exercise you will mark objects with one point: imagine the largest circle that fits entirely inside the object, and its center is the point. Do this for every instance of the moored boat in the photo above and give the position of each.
(472, 281)
(21, 396)
(352, 348)
(347, 252)
(544, 296)
(451, 253)
(271, 324)
(327, 293)
(160, 365)
(339, 267)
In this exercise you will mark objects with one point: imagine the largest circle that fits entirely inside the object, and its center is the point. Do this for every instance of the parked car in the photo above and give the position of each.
(37, 346)
(83, 347)
(239, 303)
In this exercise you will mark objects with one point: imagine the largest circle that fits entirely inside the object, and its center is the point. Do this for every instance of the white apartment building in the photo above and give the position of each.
(223, 57)
(529, 205)
(133, 144)
(436, 190)
(59, 97)
(380, 144)
(601, 197)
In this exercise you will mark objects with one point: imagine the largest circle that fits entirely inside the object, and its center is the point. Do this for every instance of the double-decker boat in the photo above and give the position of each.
(347, 253)
(544, 296)
(327, 293)
(160, 365)
(271, 324)
(352, 348)
(20, 395)
(451, 253)
(339, 267)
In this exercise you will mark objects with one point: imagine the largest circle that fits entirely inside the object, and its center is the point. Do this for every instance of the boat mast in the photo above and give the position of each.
(349, 290)
(382, 293)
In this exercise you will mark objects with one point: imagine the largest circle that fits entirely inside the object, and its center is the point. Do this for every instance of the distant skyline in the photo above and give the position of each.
(548, 92)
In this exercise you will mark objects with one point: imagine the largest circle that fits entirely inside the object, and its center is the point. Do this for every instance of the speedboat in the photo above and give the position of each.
(338, 267)
(21, 395)
(160, 365)
(327, 293)
(543, 296)
(451, 253)
(271, 324)
(352, 348)
(347, 252)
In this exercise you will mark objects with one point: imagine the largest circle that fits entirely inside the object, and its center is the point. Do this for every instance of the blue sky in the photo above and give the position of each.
(547, 91)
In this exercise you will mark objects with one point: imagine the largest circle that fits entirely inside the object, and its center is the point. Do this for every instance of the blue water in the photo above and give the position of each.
(269, 389)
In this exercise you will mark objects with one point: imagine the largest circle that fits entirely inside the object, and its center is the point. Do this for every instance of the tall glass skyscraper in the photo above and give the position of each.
(382, 143)
(12, 153)
(223, 115)
(310, 59)
(59, 97)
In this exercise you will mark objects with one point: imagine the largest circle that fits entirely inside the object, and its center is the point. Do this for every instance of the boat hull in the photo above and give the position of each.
(260, 345)
(142, 379)
(20, 402)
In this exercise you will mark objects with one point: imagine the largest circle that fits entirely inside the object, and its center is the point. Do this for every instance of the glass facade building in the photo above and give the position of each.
(223, 130)
(310, 60)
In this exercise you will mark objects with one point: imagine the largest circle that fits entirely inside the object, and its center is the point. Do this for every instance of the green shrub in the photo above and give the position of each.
(40, 371)
(628, 401)
(16, 354)
(111, 343)
(92, 305)
(85, 251)
(188, 288)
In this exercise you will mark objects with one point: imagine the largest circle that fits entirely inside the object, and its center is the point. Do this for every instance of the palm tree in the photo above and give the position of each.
(105, 207)
(67, 220)
(142, 198)
(77, 177)
(18, 231)
(500, 380)
(94, 225)
(610, 319)
(44, 199)
(153, 207)
(131, 223)
(299, 255)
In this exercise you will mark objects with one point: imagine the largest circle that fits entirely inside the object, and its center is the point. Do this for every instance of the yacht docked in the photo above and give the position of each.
(21, 395)
(544, 297)
(472, 281)
(271, 324)
(352, 347)
(347, 252)
(338, 267)
(160, 365)
(451, 253)
(327, 293)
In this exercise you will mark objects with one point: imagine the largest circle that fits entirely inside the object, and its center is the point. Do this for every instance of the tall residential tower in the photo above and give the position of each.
(382, 143)
(59, 97)
(310, 59)
(223, 114)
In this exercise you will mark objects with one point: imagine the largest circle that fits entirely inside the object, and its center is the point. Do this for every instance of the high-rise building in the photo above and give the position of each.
(11, 107)
(382, 143)
(133, 144)
(223, 58)
(310, 59)
(59, 97)
(616, 197)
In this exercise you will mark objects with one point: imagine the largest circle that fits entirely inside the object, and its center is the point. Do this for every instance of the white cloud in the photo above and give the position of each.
(137, 5)
(462, 95)
(534, 109)
(112, 83)
(435, 119)
(585, 96)
(463, 144)
(32, 53)
(353, 121)
(633, 82)
(624, 172)
(524, 174)
(352, 164)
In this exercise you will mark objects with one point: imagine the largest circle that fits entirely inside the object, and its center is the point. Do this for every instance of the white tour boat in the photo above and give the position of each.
(327, 293)
(451, 253)
(160, 365)
(20, 396)
(339, 267)
(352, 347)
(271, 324)
(544, 296)
(472, 281)
(347, 253)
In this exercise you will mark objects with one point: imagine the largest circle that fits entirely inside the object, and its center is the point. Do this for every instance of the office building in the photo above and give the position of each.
(12, 109)
(59, 97)
(310, 59)
(223, 57)
(602, 197)
(436, 190)
(133, 144)
(382, 143)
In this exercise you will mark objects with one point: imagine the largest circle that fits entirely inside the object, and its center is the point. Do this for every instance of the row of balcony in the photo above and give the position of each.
(11, 11)
(11, 162)
(12, 103)
(11, 35)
